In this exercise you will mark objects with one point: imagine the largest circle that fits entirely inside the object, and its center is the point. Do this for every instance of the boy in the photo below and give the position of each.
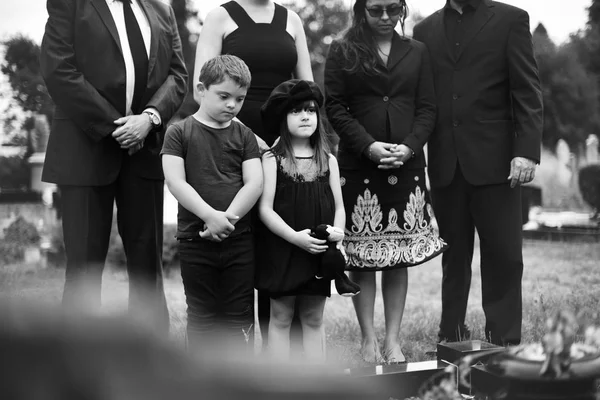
(212, 167)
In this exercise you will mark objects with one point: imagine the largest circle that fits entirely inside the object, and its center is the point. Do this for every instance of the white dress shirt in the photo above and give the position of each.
(116, 9)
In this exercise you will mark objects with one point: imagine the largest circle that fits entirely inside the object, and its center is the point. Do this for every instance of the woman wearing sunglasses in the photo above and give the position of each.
(381, 102)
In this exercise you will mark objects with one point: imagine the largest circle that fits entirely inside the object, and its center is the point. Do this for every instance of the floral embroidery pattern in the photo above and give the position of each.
(369, 245)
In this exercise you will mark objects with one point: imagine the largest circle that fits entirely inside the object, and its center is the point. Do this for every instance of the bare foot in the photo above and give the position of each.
(394, 355)
(369, 351)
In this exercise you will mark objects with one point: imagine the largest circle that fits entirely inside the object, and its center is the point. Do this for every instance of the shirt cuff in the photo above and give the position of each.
(154, 111)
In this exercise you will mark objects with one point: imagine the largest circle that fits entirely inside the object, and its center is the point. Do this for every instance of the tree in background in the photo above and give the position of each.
(323, 20)
(22, 68)
(592, 36)
(183, 14)
(570, 92)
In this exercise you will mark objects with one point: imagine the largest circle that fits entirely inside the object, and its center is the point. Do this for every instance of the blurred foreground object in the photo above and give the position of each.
(559, 368)
(47, 354)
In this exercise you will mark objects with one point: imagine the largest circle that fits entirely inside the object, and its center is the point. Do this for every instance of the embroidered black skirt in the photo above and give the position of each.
(388, 219)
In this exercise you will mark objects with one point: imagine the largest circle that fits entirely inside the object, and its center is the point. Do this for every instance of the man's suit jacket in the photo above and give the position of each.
(488, 96)
(84, 70)
(360, 106)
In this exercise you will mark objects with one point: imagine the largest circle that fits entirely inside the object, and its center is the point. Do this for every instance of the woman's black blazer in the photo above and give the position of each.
(360, 106)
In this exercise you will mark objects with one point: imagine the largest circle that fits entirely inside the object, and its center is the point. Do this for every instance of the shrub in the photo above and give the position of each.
(56, 255)
(17, 236)
(22, 231)
(170, 250)
(589, 185)
(11, 252)
(14, 172)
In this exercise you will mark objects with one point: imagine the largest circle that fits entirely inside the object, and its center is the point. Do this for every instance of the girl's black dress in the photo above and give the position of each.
(302, 201)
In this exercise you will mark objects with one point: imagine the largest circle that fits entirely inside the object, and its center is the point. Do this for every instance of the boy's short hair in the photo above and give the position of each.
(215, 70)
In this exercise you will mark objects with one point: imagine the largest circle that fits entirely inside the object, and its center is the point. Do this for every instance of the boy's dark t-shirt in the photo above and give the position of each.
(213, 167)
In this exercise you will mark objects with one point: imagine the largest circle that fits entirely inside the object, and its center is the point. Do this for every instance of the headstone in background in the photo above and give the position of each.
(555, 178)
(32, 255)
(563, 170)
(591, 149)
(36, 163)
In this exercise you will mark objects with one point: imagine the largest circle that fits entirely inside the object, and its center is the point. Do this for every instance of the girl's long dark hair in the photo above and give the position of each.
(318, 141)
(358, 44)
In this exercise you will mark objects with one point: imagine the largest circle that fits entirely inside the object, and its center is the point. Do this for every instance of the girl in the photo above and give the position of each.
(271, 41)
(301, 190)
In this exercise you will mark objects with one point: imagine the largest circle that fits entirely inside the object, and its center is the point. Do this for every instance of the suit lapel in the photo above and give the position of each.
(483, 14)
(154, 28)
(102, 9)
(399, 50)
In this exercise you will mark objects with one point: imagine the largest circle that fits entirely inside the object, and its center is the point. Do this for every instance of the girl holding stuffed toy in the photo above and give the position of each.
(301, 190)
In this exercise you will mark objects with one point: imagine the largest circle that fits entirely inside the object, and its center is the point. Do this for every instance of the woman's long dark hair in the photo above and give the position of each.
(358, 44)
(318, 141)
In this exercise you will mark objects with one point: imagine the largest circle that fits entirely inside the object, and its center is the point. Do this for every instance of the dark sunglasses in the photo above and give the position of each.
(377, 12)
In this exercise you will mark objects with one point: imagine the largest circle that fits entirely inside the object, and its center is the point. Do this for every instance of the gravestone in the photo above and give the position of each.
(563, 170)
(591, 149)
(36, 163)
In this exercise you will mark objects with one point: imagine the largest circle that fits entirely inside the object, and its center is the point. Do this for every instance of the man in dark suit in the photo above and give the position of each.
(115, 70)
(486, 143)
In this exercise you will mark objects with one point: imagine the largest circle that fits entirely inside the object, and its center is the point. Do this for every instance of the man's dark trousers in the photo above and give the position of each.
(495, 212)
(87, 221)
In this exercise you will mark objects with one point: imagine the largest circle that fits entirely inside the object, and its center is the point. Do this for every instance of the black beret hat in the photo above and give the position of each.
(283, 98)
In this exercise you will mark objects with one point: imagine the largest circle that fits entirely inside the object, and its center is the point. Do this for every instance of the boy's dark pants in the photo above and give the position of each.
(218, 279)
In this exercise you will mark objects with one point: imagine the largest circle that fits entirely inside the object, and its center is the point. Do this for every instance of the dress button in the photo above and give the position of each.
(457, 44)
(455, 123)
(455, 96)
(385, 98)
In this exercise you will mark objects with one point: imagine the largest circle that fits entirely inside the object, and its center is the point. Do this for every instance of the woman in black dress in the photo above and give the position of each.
(381, 102)
(271, 41)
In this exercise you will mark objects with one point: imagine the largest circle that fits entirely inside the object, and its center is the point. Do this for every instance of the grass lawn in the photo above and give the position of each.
(557, 276)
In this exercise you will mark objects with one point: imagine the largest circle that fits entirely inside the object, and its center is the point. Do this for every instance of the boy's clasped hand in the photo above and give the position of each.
(219, 226)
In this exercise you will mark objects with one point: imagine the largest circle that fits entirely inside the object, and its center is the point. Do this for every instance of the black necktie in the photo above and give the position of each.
(138, 52)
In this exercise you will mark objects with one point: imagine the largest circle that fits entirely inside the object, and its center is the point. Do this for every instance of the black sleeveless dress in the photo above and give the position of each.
(303, 201)
(270, 53)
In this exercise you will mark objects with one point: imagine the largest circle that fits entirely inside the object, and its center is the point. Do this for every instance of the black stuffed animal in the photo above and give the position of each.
(333, 262)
